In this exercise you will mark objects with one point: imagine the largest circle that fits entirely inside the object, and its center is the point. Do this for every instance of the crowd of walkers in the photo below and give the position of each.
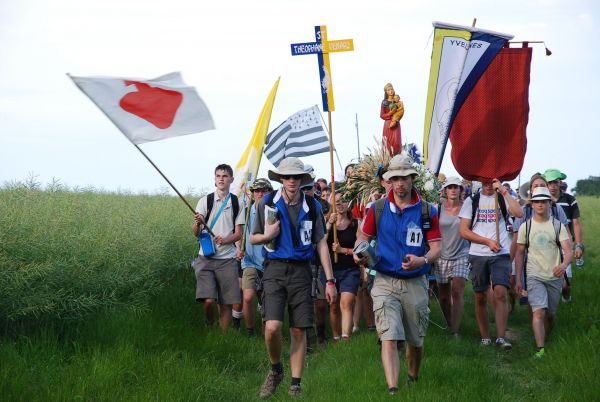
(349, 264)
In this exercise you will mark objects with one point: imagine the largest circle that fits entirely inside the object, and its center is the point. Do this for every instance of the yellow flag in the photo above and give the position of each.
(247, 168)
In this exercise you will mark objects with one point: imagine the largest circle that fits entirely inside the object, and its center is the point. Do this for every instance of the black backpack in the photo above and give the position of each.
(235, 206)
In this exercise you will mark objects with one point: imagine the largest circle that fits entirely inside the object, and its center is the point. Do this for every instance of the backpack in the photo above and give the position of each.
(312, 214)
(425, 213)
(235, 206)
(501, 202)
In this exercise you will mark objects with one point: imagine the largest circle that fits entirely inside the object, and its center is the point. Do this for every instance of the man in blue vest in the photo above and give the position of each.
(400, 297)
(289, 247)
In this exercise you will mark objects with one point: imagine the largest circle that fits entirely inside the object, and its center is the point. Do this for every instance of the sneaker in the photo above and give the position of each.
(236, 323)
(393, 390)
(566, 300)
(270, 385)
(486, 342)
(295, 390)
(503, 344)
(539, 354)
(411, 380)
(355, 329)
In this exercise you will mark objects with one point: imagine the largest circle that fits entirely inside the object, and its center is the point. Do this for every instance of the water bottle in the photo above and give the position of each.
(579, 263)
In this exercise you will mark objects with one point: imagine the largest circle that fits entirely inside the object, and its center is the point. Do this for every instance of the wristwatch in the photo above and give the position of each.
(332, 281)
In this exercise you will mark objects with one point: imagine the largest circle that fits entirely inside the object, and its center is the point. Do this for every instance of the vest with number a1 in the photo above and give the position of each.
(399, 234)
(294, 243)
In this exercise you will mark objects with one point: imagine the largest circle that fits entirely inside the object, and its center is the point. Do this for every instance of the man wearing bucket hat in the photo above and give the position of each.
(569, 204)
(543, 237)
(400, 297)
(298, 231)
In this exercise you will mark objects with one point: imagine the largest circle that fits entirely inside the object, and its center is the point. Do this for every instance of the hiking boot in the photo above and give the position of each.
(486, 342)
(270, 385)
(503, 344)
(295, 390)
(539, 354)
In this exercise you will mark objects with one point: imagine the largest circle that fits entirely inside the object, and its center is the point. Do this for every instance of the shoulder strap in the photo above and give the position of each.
(235, 206)
(502, 204)
(425, 215)
(528, 212)
(474, 207)
(554, 209)
(379, 206)
(312, 213)
(210, 201)
(218, 215)
(527, 231)
(557, 226)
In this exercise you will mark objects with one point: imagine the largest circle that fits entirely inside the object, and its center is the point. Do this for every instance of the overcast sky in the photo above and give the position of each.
(233, 51)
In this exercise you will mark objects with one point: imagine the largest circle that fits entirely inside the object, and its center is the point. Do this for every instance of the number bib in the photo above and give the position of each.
(414, 236)
(306, 232)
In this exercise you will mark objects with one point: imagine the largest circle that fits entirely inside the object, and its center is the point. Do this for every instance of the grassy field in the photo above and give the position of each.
(154, 346)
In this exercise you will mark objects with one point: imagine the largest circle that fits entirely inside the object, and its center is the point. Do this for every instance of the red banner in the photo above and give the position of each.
(489, 133)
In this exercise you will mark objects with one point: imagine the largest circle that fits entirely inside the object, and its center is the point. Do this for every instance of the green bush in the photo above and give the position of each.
(65, 254)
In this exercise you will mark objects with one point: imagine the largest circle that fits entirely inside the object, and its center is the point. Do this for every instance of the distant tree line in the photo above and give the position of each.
(589, 186)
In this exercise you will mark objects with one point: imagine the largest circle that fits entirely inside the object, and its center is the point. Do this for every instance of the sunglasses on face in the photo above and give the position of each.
(291, 176)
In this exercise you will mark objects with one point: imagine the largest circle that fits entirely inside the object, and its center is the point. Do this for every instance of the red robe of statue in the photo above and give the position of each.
(392, 137)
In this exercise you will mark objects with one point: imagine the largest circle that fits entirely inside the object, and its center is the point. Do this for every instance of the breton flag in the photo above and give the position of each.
(459, 57)
(247, 168)
(302, 134)
(148, 110)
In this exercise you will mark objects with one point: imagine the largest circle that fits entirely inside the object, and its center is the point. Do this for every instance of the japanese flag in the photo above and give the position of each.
(148, 110)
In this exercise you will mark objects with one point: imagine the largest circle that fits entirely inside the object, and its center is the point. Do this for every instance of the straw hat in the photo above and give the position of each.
(290, 166)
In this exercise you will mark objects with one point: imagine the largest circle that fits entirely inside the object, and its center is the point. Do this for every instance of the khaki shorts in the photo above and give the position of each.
(544, 293)
(217, 279)
(401, 308)
(249, 278)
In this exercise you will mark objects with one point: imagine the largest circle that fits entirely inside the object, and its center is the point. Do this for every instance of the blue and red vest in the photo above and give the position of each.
(293, 243)
(400, 233)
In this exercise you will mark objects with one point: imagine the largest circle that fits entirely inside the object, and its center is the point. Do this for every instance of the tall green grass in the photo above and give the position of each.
(67, 254)
(166, 353)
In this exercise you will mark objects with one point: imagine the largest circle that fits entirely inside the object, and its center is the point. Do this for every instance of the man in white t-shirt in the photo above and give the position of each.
(489, 254)
(539, 235)
(217, 274)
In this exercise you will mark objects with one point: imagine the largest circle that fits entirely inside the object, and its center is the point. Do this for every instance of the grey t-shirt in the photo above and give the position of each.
(453, 246)
(293, 212)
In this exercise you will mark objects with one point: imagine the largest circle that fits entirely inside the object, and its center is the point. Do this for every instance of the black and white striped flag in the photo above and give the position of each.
(302, 134)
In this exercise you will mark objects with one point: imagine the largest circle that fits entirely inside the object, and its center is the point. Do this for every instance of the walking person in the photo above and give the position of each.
(345, 270)
(542, 237)
(292, 240)
(252, 258)
(452, 269)
(489, 254)
(404, 225)
(217, 273)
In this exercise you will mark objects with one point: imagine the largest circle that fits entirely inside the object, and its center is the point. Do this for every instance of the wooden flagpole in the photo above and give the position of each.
(173, 187)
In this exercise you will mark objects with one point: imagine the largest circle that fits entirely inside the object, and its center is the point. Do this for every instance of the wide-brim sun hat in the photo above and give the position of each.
(400, 165)
(290, 166)
(452, 180)
(554, 174)
(541, 194)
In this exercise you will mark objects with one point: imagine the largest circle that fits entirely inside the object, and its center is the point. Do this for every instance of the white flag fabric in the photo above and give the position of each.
(302, 134)
(148, 110)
